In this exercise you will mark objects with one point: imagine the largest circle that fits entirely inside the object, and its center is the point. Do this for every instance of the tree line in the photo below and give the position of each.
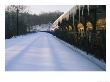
(18, 20)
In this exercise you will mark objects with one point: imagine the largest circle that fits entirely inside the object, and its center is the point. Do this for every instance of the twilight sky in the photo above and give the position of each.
(37, 9)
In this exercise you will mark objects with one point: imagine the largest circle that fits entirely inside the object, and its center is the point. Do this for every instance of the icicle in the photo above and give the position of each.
(74, 10)
(73, 15)
(88, 9)
(82, 10)
(79, 13)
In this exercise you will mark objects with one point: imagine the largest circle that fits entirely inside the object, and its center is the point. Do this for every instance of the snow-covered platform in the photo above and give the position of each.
(43, 52)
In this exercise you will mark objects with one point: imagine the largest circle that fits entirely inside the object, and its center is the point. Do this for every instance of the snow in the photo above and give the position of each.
(43, 52)
(90, 57)
(42, 27)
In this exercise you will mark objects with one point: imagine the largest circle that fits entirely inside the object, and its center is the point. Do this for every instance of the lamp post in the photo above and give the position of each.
(17, 11)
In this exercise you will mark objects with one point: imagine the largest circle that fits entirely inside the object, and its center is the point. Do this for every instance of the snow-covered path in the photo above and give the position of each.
(43, 52)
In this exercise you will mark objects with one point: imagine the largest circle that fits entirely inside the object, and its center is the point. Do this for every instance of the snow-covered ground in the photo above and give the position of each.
(42, 27)
(43, 52)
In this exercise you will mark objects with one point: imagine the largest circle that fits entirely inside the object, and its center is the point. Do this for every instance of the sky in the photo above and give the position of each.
(37, 9)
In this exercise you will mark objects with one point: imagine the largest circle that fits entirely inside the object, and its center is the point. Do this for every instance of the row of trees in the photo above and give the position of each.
(75, 31)
(18, 20)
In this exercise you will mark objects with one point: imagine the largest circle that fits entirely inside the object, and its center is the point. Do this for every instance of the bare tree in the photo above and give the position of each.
(14, 8)
(17, 9)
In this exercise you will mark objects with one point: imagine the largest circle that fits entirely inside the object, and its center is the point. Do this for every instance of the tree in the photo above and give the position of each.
(16, 9)
(18, 21)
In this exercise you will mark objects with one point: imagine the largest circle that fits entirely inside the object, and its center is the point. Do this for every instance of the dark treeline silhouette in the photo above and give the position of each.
(17, 20)
(88, 32)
